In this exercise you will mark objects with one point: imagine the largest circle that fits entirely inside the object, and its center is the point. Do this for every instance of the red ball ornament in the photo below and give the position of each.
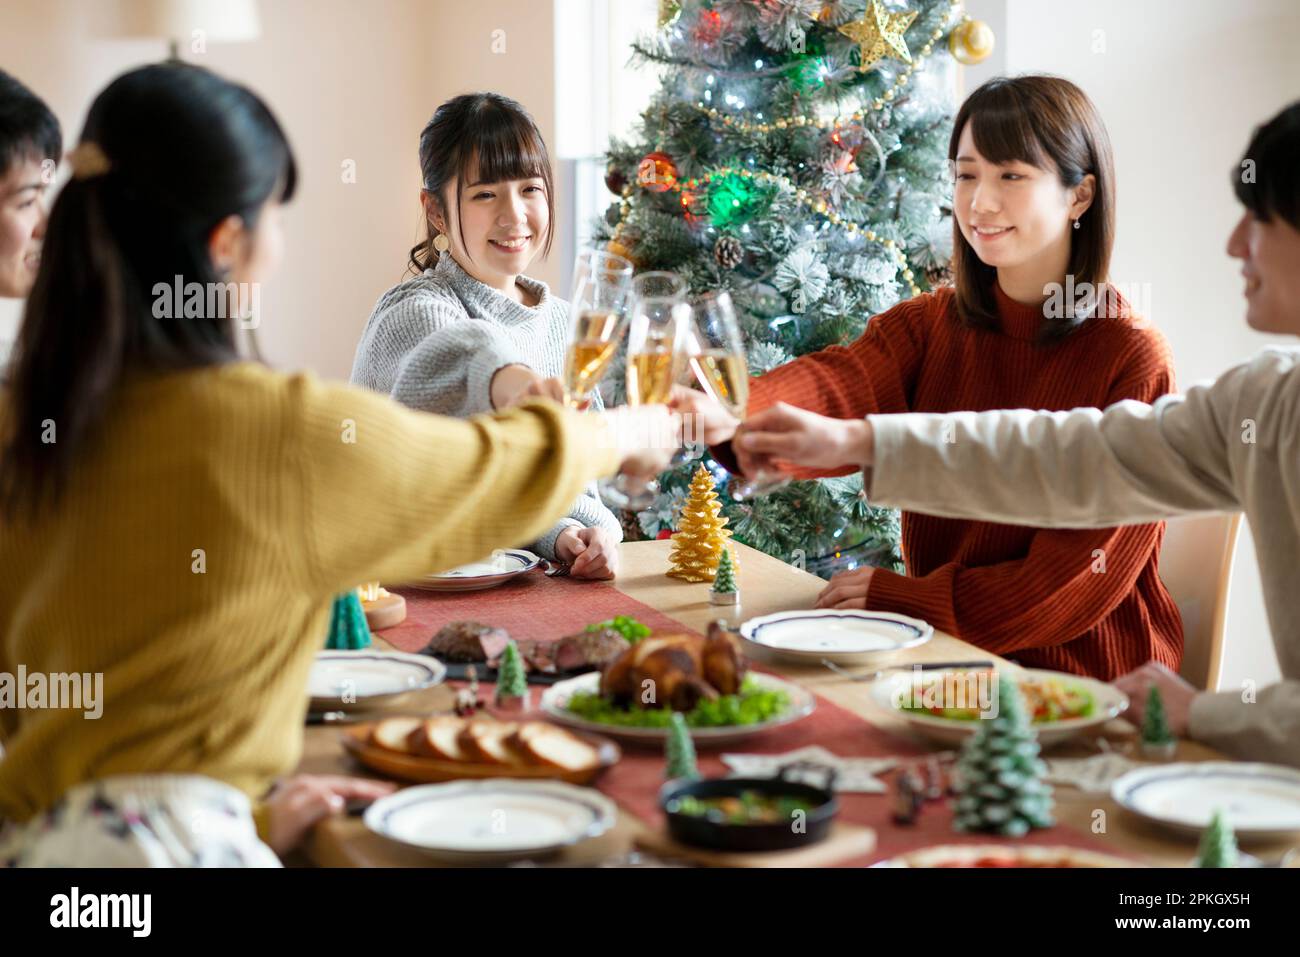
(709, 28)
(615, 180)
(657, 172)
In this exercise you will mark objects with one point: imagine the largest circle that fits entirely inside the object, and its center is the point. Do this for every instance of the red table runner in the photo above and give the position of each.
(532, 606)
(543, 608)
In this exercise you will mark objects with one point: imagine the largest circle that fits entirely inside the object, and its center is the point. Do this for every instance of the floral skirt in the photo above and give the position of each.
(147, 820)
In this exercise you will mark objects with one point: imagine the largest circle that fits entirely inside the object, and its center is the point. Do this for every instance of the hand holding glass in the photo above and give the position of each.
(719, 365)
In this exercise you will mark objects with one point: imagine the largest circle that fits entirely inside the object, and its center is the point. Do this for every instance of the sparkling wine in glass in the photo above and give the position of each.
(656, 337)
(657, 344)
(718, 362)
(602, 283)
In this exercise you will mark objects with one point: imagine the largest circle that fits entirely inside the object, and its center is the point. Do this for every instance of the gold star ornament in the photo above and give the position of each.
(879, 34)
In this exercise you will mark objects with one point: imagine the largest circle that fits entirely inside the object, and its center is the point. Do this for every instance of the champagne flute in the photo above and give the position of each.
(657, 343)
(656, 337)
(719, 365)
(598, 308)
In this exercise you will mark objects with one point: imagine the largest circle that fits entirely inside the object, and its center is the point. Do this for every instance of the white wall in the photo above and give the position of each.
(1181, 84)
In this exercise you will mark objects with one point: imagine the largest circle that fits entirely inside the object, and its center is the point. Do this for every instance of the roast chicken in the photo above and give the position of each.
(676, 670)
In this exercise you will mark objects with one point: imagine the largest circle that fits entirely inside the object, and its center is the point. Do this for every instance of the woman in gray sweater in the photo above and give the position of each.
(469, 333)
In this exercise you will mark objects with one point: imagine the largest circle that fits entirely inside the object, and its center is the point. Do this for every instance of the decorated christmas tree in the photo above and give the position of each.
(680, 750)
(1000, 779)
(795, 154)
(348, 629)
(1218, 847)
(702, 532)
(511, 680)
(724, 582)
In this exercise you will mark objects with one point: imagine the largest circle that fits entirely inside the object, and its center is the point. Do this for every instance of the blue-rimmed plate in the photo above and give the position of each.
(357, 680)
(1260, 801)
(843, 636)
(503, 565)
(491, 821)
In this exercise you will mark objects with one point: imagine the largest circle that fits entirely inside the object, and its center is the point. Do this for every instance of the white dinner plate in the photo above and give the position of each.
(343, 680)
(491, 821)
(844, 636)
(1109, 702)
(555, 698)
(504, 565)
(1260, 801)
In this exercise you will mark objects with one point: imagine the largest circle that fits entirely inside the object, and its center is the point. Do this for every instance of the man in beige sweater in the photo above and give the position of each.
(1233, 445)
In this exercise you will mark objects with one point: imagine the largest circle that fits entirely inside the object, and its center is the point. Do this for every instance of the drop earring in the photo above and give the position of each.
(1076, 224)
(441, 242)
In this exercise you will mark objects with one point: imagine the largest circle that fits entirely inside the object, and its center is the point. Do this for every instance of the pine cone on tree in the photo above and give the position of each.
(701, 534)
(728, 252)
(1001, 786)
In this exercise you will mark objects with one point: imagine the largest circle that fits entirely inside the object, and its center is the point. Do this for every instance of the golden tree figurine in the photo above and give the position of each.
(701, 534)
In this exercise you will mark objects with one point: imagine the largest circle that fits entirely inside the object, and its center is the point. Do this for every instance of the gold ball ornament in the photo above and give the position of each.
(618, 248)
(971, 41)
(879, 34)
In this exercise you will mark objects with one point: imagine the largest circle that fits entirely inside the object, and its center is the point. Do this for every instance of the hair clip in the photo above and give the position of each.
(88, 160)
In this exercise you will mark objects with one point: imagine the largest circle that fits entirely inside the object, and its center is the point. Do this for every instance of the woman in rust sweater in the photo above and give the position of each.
(1033, 204)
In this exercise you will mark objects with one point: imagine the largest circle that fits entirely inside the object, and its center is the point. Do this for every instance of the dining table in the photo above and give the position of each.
(767, 585)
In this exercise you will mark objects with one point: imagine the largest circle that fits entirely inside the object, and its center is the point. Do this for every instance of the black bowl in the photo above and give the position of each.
(702, 832)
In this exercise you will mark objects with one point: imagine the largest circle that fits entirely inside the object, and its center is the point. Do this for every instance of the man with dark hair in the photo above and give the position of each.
(30, 147)
(1230, 446)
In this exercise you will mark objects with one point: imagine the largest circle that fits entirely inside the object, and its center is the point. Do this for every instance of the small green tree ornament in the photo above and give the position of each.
(1157, 740)
(512, 683)
(1218, 846)
(1000, 778)
(348, 629)
(724, 590)
(680, 750)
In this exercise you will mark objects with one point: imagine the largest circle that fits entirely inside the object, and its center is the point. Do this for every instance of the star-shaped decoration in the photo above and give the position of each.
(879, 34)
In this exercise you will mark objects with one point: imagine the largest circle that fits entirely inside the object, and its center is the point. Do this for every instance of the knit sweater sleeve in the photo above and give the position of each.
(389, 493)
(1069, 581)
(587, 511)
(429, 354)
(1086, 468)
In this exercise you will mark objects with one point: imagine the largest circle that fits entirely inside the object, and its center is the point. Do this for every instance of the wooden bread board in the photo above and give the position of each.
(429, 770)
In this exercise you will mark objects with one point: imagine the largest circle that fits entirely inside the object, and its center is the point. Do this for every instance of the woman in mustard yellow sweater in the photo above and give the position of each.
(177, 521)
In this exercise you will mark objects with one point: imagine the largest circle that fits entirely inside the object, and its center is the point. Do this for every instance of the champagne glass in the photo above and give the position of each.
(602, 283)
(657, 343)
(719, 364)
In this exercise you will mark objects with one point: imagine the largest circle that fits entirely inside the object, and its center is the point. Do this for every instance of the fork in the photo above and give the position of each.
(556, 569)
